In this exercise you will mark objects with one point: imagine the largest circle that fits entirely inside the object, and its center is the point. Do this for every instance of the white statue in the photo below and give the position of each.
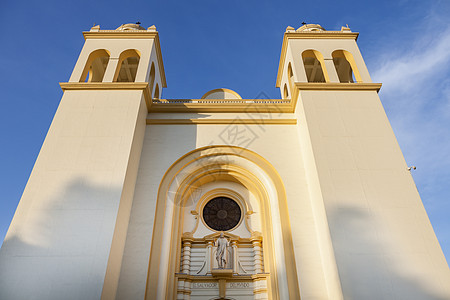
(221, 254)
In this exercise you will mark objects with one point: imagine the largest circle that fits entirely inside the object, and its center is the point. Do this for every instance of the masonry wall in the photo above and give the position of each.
(384, 245)
(61, 236)
(164, 144)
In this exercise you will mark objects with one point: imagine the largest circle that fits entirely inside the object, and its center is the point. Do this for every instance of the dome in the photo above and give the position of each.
(311, 27)
(130, 26)
(221, 94)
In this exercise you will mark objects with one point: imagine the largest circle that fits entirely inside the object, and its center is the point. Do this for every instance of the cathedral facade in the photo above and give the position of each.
(138, 197)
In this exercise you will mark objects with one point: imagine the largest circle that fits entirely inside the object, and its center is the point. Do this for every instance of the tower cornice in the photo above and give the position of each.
(143, 86)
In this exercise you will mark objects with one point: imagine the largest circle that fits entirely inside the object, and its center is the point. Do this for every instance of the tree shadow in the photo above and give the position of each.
(373, 267)
(58, 247)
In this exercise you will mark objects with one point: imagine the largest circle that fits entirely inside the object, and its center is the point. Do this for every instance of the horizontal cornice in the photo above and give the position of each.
(65, 86)
(211, 121)
(115, 34)
(223, 105)
(211, 278)
(331, 86)
(189, 105)
(321, 35)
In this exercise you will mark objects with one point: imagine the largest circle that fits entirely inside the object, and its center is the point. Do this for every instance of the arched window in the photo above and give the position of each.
(152, 76)
(290, 77)
(345, 66)
(156, 95)
(314, 66)
(285, 93)
(95, 67)
(127, 66)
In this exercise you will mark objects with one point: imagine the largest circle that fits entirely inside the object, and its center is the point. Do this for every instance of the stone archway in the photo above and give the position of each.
(221, 163)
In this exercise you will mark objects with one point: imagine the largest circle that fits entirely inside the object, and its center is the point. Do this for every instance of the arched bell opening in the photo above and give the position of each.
(290, 77)
(345, 67)
(156, 95)
(285, 92)
(314, 65)
(95, 66)
(127, 66)
(238, 170)
(152, 77)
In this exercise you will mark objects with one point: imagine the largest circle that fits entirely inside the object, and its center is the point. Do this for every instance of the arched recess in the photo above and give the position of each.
(227, 163)
(290, 77)
(314, 65)
(127, 66)
(285, 92)
(156, 94)
(152, 76)
(95, 67)
(345, 66)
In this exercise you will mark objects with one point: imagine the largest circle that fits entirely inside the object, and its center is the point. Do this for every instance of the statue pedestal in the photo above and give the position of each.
(222, 275)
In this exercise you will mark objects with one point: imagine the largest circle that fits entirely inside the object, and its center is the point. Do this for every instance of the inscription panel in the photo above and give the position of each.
(242, 290)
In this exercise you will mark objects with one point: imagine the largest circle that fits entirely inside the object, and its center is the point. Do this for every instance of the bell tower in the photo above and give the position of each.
(82, 185)
(371, 225)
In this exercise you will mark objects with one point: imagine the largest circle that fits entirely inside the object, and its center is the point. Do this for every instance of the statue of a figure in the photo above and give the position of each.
(221, 254)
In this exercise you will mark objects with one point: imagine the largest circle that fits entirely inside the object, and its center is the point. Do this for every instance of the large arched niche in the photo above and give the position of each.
(231, 164)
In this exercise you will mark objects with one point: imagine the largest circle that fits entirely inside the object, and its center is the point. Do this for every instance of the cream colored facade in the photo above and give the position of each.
(116, 206)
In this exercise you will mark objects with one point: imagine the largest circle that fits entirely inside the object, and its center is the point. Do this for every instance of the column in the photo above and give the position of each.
(257, 255)
(186, 262)
(187, 290)
(235, 257)
(209, 263)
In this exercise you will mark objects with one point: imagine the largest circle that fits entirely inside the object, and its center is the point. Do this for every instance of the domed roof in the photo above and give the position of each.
(311, 27)
(221, 94)
(130, 26)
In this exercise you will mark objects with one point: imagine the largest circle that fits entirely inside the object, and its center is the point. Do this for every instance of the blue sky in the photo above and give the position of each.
(211, 44)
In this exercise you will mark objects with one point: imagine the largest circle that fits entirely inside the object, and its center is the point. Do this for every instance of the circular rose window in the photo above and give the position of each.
(222, 214)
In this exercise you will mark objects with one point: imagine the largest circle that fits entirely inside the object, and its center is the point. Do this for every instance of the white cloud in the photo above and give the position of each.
(419, 65)
(416, 96)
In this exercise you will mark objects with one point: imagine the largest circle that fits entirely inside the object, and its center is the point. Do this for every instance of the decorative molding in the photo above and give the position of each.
(223, 106)
(221, 192)
(331, 86)
(221, 121)
(196, 218)
(110, 86)
(322, 35)
(117, 34)
(209, 278)
(246, 219)
(132, 34)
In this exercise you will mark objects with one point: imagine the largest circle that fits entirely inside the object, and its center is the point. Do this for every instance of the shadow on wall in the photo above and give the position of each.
(58, 250)
(370, 266)
(163, 146)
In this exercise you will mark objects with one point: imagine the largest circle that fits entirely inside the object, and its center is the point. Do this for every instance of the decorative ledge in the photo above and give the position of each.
(110, 86)
(115, 34)
(321, 35)
(237, 121)
(223, 105)
(337, 86)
